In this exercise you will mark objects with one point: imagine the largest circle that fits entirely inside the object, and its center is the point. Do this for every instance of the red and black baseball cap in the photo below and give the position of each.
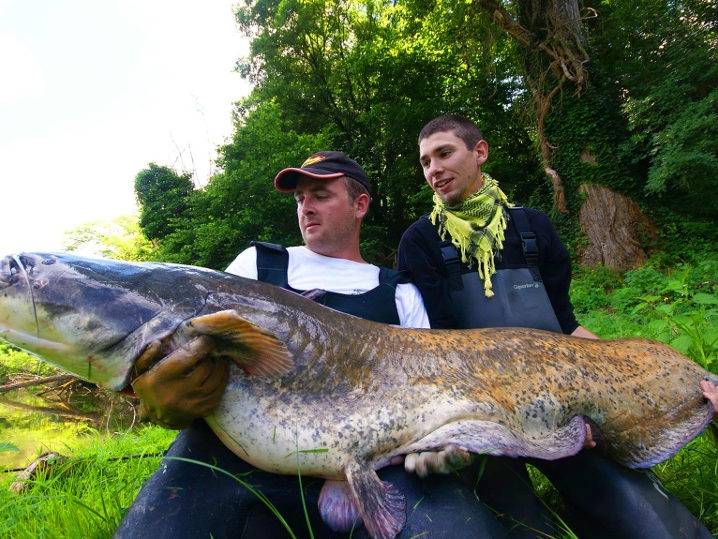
(322, 166)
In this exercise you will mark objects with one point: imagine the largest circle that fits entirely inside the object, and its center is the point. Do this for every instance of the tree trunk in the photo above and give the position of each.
(615, 227)
(551, 35)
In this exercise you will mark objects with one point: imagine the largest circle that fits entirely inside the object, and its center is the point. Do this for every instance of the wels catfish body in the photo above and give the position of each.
(339, 396)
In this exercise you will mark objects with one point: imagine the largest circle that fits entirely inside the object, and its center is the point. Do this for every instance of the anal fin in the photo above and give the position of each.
(254, 349)
(488, 437)
(381, 505)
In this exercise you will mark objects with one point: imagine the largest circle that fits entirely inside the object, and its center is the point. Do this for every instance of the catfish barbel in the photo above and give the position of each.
(338, 396)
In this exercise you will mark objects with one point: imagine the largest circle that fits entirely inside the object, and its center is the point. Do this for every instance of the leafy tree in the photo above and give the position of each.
(163, 198)
(240, 204)
(119, 238)
(668, 66)
(368, 75)
(567, 93)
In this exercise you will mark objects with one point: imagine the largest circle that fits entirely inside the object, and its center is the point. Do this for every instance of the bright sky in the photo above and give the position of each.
(91, 92)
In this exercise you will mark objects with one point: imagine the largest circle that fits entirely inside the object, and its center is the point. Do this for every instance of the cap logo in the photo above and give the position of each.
(312, 160)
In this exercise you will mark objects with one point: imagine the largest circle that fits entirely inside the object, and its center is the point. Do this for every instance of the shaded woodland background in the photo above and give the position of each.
(613, 103)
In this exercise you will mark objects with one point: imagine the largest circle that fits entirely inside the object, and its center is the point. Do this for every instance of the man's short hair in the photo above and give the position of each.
(354, 188)
(462, 127)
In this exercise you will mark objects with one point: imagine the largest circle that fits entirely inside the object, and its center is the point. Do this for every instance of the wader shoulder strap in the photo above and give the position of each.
(392, 277)
(452, 263)
(528, 238)
(272, 263)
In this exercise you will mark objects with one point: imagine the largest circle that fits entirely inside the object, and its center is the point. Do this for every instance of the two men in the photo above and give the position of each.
(332, 194)
(186, 500)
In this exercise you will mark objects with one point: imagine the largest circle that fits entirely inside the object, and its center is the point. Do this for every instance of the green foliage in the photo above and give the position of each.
(363, 76)
(13, 361)
(163, 198)
(668, 69)
(240, 204)
(686, 156)
(86, 495)
(678, 307)
(120, 238)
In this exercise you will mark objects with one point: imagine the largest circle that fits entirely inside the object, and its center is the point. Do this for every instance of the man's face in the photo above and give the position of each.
(451, 169)
(328, 218)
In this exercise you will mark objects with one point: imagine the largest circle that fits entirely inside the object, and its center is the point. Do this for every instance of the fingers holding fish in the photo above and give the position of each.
(148, 357)
(710, 392)
(446, 461)
(589, 442)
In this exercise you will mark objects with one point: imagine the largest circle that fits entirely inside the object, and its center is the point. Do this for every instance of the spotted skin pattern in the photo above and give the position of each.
(338, 397)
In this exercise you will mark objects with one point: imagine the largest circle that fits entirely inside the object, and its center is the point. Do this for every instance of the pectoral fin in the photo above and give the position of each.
(337, 507)
(257, 351)
(381, 506)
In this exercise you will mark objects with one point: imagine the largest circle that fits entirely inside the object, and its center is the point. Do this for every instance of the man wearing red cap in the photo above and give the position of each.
(185, 500)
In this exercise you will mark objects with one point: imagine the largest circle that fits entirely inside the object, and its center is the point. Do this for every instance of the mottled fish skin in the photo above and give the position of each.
(394, 387)
(356, 393)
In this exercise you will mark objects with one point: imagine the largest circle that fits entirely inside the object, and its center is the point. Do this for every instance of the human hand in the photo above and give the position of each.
(588, 441)
(181, 387)
(710, 392)
(446, 461)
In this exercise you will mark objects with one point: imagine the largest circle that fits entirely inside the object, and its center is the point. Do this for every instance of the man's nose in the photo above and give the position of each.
(433, 168)
(306, 207)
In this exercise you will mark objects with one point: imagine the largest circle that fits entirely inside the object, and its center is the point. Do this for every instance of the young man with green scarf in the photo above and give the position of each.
(478, 261)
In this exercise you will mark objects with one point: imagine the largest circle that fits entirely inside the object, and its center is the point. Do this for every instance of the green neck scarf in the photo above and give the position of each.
(476, 227)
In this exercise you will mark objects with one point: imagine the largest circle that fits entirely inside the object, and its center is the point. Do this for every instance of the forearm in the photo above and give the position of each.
(581, 331)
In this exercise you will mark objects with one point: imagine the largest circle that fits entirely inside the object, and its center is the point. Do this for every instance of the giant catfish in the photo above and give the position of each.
(308, 377)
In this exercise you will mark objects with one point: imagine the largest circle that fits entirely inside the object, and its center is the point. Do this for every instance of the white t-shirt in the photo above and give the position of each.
(308, 270)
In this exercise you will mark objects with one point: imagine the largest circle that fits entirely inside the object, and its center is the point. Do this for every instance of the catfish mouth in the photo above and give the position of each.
(20, 317)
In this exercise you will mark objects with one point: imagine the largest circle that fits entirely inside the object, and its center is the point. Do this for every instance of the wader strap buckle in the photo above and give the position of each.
(453, 266)
(528, 238)
(529, 244)
(530, 247)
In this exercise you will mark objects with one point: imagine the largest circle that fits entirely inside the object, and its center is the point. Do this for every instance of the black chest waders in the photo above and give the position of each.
(377, 304)
(520, 298)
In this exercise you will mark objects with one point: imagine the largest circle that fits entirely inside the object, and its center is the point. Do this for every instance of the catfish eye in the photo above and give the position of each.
(37, 284)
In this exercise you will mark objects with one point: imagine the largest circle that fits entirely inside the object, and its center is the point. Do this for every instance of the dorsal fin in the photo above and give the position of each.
(254, 349)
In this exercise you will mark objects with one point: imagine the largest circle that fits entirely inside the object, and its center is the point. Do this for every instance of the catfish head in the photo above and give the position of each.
(91, 317)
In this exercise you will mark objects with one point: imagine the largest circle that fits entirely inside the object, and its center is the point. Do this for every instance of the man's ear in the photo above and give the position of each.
(361, 203)
(481, 151)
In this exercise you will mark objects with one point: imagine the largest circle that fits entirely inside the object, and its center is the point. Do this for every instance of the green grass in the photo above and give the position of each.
(87, 495)
(13, 361)
(678, 306)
